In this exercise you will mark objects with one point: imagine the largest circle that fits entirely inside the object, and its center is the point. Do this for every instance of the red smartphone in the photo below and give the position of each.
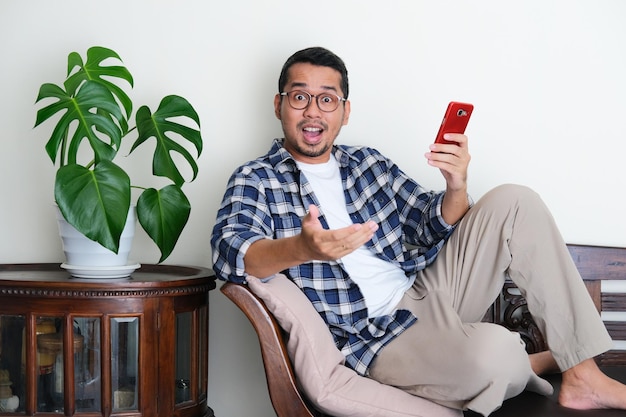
(455, 120)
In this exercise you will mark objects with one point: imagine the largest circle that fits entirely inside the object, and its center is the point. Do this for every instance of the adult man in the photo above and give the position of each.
(401, 275)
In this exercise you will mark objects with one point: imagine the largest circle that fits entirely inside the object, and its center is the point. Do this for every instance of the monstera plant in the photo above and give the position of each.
(92, 110)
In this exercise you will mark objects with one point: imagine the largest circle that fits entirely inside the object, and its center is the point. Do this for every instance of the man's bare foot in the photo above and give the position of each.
(543, 363)
(585, 387)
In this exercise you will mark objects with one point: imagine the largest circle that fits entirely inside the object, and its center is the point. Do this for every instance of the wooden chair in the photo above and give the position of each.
(281, 381)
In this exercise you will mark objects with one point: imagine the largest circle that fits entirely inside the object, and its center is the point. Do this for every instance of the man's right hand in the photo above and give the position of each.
(328, 245)
(267, 257)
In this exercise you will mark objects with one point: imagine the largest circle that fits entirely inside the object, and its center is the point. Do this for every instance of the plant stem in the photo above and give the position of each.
(63, 160)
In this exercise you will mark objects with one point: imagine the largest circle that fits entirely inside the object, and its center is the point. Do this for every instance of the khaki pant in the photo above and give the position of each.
(452, 358)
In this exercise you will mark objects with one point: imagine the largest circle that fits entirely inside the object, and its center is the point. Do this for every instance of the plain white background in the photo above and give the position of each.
(548, 80)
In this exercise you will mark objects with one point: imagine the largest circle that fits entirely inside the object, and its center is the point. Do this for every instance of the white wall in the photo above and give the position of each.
(548, 80)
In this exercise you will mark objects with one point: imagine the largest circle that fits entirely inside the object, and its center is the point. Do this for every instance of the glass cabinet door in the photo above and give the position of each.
(87, 365)
(203, 357)
(124, 362)
(184, 322)
(191, 366)
(49, 333)
(12, 363)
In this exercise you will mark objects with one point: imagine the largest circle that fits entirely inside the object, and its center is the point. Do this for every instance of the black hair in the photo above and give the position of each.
(316, 56)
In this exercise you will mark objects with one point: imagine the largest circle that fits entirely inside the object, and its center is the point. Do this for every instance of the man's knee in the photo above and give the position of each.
(497, 355)
(506, 201)
(510, 194)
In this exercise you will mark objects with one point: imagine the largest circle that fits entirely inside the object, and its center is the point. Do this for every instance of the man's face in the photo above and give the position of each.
(310, 132)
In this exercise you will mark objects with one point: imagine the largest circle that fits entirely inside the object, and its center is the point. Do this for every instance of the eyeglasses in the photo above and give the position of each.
(300, 100)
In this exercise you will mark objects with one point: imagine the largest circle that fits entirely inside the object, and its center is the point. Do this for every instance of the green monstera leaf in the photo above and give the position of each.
(163, 214)
(161, 126)
(78, 122)
(94, 201)
(89, 103)
(93, 69)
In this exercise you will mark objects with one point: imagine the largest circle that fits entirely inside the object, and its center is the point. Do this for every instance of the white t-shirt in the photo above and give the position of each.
(381, 283)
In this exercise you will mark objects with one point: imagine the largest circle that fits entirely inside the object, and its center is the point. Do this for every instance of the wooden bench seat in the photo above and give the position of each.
(603, 270)
(529, 404)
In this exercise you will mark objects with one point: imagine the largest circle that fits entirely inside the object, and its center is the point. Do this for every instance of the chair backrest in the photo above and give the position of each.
(281, 381)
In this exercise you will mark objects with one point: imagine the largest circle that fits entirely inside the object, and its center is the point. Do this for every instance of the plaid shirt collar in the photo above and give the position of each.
(283, 162)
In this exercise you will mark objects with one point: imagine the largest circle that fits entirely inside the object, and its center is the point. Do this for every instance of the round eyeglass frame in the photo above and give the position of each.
(310, 98)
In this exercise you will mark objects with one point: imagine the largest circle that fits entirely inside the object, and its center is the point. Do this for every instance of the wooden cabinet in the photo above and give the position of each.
(133, 346)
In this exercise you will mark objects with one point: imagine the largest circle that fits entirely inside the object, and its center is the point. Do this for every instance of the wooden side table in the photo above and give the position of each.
(134, 346)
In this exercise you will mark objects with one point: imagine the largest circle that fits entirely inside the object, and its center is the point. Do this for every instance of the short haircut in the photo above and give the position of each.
(316, 56)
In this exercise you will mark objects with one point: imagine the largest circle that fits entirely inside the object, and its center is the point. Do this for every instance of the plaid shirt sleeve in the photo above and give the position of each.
(262, 201)
(242, 219)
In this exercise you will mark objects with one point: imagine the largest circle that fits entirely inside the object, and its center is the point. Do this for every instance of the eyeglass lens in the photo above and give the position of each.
(300, 100)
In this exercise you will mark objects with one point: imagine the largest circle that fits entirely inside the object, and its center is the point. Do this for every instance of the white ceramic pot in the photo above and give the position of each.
(81, 251)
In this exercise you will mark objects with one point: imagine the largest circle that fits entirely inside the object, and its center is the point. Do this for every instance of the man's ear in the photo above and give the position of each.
(277, 103)
(346, 112)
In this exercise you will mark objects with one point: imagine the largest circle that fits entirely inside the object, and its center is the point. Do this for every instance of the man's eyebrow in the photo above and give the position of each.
(304, 85)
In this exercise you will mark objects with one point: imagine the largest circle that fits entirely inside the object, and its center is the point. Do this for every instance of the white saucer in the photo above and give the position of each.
(100, 272)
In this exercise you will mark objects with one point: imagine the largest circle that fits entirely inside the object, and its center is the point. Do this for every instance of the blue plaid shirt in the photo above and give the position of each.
(267, 198)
